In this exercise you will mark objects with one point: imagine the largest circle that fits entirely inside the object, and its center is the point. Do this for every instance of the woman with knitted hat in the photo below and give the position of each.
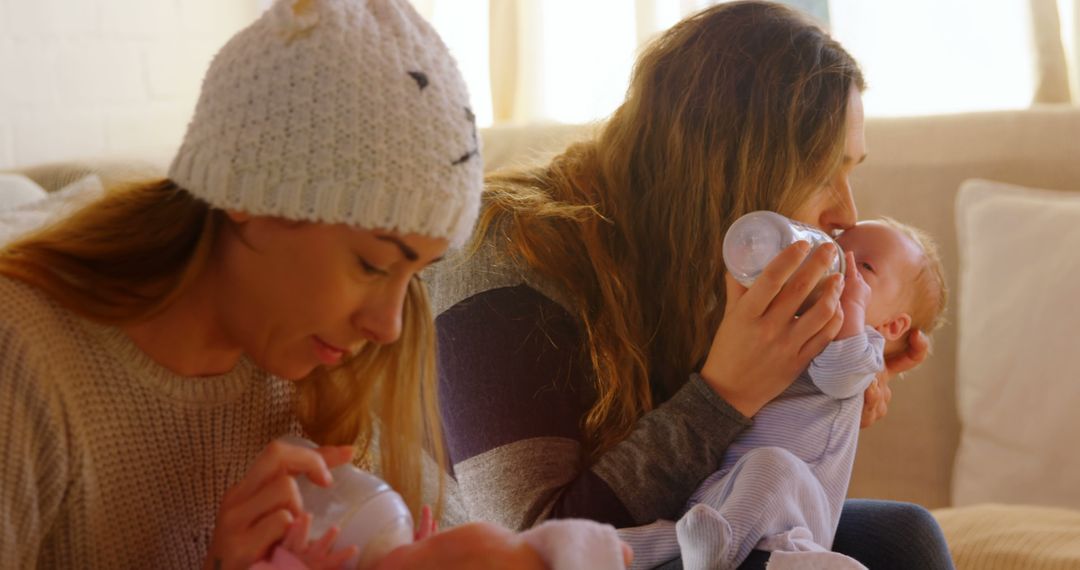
(616, 360)
(152, 345)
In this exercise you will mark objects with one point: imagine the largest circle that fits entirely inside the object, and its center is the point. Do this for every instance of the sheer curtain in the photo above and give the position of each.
(1069, 18)
(570, 60)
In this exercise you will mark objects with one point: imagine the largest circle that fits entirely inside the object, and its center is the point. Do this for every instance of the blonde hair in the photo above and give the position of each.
(930, 293)
(127, 256)
(740, 107)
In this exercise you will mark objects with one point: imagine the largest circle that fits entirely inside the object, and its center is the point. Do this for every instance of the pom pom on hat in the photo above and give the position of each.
(337, 111)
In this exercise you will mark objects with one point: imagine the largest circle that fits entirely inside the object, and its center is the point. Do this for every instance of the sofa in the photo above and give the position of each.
(944, 409)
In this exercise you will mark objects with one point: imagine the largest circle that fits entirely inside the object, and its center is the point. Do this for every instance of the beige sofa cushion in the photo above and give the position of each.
(1008, 537)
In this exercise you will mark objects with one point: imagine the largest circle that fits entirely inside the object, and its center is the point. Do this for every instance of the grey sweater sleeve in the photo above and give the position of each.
(513, 395)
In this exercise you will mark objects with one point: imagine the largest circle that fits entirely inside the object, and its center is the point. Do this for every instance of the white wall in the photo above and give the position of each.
(99, 78)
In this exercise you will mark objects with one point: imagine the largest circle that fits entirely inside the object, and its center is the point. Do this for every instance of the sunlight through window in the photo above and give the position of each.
(919, 56)
(463, 25)
(939, 56)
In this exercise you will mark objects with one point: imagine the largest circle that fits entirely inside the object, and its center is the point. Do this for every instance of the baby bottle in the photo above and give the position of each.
(756, 238)
(369, 514)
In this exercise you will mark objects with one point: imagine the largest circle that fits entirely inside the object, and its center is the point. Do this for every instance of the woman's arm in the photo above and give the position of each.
(34, 454)
(513, 395)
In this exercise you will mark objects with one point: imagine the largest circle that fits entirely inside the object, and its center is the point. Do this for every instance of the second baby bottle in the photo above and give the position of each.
(369, 513)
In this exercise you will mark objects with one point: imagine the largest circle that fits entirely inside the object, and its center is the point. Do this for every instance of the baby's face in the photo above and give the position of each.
(889, 261)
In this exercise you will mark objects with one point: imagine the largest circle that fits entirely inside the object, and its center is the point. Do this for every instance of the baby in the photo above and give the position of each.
(565, 544)
(782, 483)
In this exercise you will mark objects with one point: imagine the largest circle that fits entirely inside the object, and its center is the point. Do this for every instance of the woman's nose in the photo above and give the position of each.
(841, 213)
(379, 315)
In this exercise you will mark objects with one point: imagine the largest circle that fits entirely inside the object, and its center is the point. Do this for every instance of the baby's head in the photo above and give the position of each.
(902, 266)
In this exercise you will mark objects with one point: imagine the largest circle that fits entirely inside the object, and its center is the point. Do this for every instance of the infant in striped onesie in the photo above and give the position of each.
(782, 483)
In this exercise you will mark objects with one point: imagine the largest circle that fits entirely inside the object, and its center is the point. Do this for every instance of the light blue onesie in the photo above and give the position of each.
(782, 482)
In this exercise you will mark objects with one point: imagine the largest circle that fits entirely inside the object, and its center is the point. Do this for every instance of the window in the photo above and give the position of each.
(548, 60)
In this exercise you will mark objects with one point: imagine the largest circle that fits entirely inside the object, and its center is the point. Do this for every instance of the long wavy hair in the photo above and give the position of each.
(740, 107)
(129, 255)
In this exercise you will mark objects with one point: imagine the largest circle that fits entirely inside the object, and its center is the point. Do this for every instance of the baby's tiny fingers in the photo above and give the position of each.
(339, 558)
(426, 527)
(326, 541)
(297, 535)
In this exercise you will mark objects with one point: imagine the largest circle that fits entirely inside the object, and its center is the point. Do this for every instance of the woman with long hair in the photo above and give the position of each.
(595, 360)
(155, 344)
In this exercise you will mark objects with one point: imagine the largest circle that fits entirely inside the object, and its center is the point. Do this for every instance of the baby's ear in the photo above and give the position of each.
(895, 327)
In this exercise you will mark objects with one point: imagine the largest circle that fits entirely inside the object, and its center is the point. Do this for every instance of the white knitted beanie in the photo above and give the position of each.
(337, 111)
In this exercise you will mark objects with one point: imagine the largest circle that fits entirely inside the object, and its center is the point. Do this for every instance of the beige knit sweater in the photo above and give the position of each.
(107, 460)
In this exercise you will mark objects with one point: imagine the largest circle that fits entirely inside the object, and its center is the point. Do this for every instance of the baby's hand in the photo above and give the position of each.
(854, 299)
(856, 292)
(428, 526)
(319, 554)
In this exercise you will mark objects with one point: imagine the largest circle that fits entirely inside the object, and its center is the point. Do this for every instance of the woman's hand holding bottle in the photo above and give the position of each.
(257, 512)
(765, 341)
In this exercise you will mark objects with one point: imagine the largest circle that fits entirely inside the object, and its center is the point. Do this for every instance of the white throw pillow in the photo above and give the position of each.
(16, 190)
(32, 215)
(1018, 384)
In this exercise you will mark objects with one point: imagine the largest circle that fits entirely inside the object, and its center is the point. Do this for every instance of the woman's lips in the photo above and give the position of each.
(327, 353)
